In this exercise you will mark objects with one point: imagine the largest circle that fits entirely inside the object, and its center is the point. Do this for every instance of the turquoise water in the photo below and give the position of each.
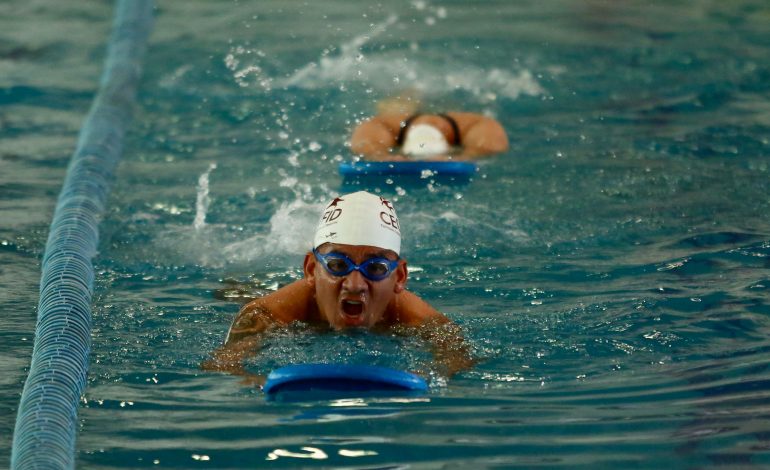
(610, 270)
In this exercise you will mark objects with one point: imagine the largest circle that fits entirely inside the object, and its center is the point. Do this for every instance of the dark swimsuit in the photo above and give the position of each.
(408, 122)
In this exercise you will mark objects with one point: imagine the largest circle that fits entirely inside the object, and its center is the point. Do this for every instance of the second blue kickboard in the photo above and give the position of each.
(341, 378)
(415, 168)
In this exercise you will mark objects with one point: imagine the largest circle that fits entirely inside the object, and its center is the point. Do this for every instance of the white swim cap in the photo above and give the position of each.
(424, 140)
(359, 219)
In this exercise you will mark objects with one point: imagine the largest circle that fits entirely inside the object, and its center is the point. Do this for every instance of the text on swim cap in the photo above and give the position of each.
(389, 219)
(331, 215)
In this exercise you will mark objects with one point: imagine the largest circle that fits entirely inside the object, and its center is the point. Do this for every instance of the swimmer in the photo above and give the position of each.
(415, 136)
(354, 277)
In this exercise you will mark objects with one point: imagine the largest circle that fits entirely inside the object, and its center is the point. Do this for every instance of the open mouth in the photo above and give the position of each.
(352, 308)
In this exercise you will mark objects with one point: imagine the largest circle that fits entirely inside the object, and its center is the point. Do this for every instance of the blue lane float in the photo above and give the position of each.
(46, 423)
(315, 380)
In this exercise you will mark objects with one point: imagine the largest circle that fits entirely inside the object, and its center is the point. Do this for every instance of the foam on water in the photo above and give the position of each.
(386, 69)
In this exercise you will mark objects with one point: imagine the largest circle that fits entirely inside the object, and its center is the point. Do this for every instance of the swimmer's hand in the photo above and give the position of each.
(254, 380)
(229, 358)
(247, 378)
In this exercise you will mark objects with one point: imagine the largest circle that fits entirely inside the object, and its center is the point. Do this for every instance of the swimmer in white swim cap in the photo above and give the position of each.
(359, 218)
(398, 135)
(354, 277)
(424, 140)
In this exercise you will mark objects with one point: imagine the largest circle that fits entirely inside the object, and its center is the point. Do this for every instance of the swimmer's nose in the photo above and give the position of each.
(354, 282)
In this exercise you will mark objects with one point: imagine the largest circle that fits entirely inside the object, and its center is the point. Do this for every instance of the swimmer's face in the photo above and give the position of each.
(353, 300)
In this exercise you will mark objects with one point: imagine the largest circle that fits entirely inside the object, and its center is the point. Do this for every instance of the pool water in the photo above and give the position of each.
(610, 270)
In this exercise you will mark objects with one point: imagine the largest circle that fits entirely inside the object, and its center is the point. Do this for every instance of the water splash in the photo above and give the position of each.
(291, 229)
(425, 70)
(419, 70)
(202, 200)
(350, 59)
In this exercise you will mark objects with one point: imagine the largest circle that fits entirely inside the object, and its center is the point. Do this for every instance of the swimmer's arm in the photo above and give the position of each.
(243, 340)
(255, 318)
(449, 348)
(229, 358)
(445, 337)
(480, 135)
(375, 137)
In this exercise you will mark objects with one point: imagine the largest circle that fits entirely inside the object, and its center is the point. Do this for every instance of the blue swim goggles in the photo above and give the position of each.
(374, 269)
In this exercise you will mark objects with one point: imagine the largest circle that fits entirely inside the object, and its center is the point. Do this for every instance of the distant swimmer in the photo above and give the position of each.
(416, 136)
(354, 277)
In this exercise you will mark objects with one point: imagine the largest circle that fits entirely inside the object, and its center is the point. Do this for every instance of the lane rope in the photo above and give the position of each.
(46, 423)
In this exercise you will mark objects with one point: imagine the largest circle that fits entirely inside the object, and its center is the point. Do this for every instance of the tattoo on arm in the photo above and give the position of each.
(243, 341)
(249, 323)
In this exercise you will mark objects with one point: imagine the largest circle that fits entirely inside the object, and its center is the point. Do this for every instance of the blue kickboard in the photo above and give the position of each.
(341, 378)
(418, 168)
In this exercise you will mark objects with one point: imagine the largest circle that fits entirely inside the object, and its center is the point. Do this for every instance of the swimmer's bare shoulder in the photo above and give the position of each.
(410, 310)
(282, 307)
